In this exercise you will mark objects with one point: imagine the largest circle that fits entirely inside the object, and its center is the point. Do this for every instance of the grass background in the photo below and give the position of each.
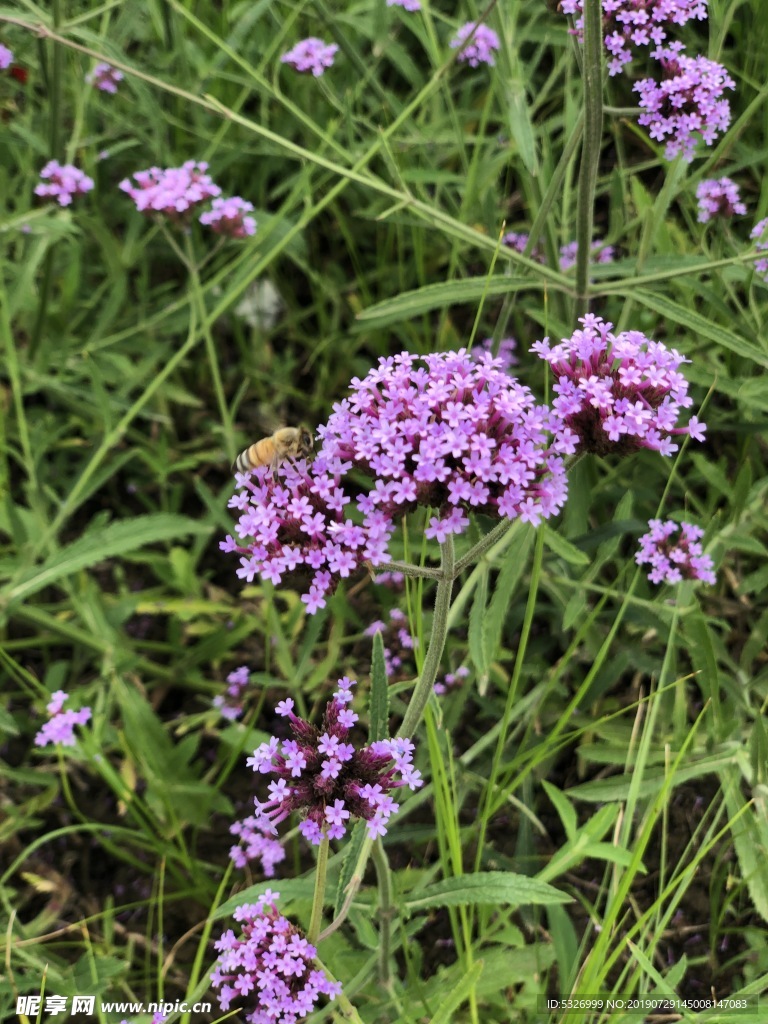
(610, 739)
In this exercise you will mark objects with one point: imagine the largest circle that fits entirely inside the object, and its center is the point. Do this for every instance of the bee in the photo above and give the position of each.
(285, 443)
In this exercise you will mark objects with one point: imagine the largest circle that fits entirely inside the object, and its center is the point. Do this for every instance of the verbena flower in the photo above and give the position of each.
(479, 50)
(599, 253)
(105, 77)
(60, 728)
(518, 240)
(631, 25)
(230, 703)
(271, 966)
(458, 435)
(229, 217)
(328, 779)
(172, 191)
(256, 843)
(451, 680)
(296, 523)
(687, 104)
(718, 197)
(506, 351)
(619, 392)
(674, 553)
(759, 234)
(311, 55)
(407, 5)
(63, 181)
(6, 57)
(397, 639)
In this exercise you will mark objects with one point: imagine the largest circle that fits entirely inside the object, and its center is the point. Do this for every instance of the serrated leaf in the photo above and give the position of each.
(562, 547)
(458, 995)
(502, 888)
(379, 705)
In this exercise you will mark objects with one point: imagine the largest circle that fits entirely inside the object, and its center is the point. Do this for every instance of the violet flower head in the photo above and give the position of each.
(6, 57)
(105, 77)
(451, 681)
(230, 703)
(600, 253)
(328, 779)
(271, 966)
(619, 392)
(674, 553)
(507, 347)
(229, 217)
(256, 843)
(687, 104)
(62, 182)
(518, 240)
(295, 523)
(172, 191)
(630, 26)
(718, 197)
(60, 727)
(759, 234)
(311, 55)
(398, 643)
(407, 5)
(457, 435)
(479, 50)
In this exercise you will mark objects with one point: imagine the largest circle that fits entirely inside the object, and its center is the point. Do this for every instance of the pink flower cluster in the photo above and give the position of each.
(459, 434)
(230, 703)
(718, 197)
(229, 217)
(311, 55)
(172, 191)
(687, 103)
(507, 347)
(328, 779)
(297, 523)
(674, 558)
(480, 48)
(60, 728)
(105, 77)
(600, 252)
(398, 642)
(407, 5)
(6, 57)
(759, 234)
(272, 964)
(619, 392)
(451, 680)
(63, 181)
(256, 842)
(631, 25)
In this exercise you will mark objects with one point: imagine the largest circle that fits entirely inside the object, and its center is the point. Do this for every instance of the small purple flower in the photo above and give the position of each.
(173, 191)
(63, 182)
(506, 351)
(619, 392)
(600, 253)
(272, 965)
(311, 55)
(759, 234)
(398, 643)
(451, 681)
(328, 779)
(687, 103)
(60, 728)
(256, 843)
(635, 23)
(407, 5)
(228, 217)
(718, 197)
(104, 77)
(479, 50)
(230, 703)
(674, 558)
(6, 57)
(518, 240)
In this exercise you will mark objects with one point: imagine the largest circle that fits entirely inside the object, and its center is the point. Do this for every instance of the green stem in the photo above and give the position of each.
(483, 545)
(386, 912)
(423, 688)
(590, 149)
(409, 569)
(319, 897)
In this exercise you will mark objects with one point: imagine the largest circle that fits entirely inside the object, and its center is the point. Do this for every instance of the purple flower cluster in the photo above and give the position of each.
(507, 347)
(273, 963)
(759, 234)
(63, 181)
(479, 50)
(296, 523)
(256, 843)
(674, 558)
(687, 103)
(601, 253)
(311, 55)
(172, 191)
(230, 703)
(398, 642)
(6, 57)
(718, 197)
(105, 77)
(457, 435)
(630, 25)
(451, 680)
(60, 728)
(518, 240)
(407, 5)
(327, 778)
(619, 392)
(229, 217)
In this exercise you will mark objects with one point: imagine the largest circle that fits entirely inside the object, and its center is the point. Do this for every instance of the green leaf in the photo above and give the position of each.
(562, 547)
(477, 621)
(458, 995)
(500, 888)
(379, 705)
